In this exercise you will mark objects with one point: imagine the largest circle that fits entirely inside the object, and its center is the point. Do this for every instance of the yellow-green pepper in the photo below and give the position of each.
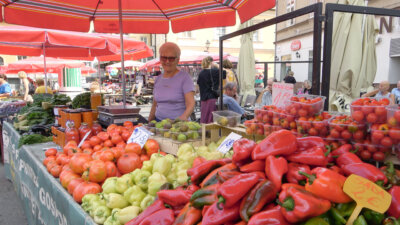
(114, 200)
(134, 195)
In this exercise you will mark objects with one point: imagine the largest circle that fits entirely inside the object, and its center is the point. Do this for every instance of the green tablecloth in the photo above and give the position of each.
(44, 200)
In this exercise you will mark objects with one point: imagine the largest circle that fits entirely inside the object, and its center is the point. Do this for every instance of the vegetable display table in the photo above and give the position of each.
(43, 198)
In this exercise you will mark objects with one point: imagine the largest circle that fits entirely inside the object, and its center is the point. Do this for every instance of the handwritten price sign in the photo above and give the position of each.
(281, 92)
(367, 195)
(228, 142)
(139, 136)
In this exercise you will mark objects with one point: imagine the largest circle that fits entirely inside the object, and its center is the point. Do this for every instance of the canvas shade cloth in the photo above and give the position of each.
(246, 66)
(353, 64)
(127, 63)
(139, 16)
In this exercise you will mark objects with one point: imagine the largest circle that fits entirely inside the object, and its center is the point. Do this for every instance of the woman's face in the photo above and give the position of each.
(169, 59)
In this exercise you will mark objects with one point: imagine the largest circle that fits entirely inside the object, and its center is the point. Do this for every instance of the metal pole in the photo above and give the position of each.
(316, 65)
(221, 98)
(44, 66)
(121, 35)
(98, 72)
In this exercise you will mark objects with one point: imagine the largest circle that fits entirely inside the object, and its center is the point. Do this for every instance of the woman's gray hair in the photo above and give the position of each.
(307, 82)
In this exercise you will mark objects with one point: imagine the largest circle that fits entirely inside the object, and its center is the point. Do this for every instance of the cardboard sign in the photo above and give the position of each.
(139, 136)
(367, 195)
(228, 142)
(281, 93)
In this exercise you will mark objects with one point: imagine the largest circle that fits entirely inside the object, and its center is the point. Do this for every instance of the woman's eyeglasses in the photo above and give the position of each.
(169, 58)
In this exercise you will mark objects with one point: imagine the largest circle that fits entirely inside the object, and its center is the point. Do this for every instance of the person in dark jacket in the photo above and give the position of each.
(290, 78)
(208, 81)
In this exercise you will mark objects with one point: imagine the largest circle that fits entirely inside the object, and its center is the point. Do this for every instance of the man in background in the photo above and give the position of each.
(5, 88)
(41, 89)
(265, 97)
(230, 94)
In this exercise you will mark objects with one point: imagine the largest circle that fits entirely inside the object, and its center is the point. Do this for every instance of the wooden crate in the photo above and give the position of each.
(171, 146)
(217, 131)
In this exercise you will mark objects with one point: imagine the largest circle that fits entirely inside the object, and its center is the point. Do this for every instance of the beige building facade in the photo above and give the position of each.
(294, 40)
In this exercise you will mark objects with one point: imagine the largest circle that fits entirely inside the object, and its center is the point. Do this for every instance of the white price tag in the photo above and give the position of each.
(84, 138)
(228, 142)
(140, 136)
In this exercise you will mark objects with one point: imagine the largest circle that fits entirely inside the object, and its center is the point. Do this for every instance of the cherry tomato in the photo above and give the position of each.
(378, 156)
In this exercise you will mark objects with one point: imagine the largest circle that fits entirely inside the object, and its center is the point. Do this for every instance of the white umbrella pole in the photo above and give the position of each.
(45, 70)
(122, 52)
(98, 73)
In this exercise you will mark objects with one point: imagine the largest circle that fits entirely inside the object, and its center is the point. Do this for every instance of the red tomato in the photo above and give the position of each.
(128, 162)
(335, 133)
(73, 184)
(380, 111)
(111, 127)
(77, 162)
(121, 145)
(134, 148)
(151, 146)
(346, 134)
(377, 135)
(111, 169)
(397, 115)
(372, 118)
(313, 132)
(86, 144)
(97, 171)
(88, 151)
(85, 188)
(62, 159)
(55, 170)
(128, 124)
(66, 177)
(394, 133)
(48, 159)
(365, 155)
(73, 150)
(115, 139)
(379, 156)
(72, 143)
(108, 143)
(106, 155)
(50, 152)
(117, 151)
(103, 136)
(144, 158)
(358, 135)
(94, 141)
(97, 148)
(386, 142)
(358, 116)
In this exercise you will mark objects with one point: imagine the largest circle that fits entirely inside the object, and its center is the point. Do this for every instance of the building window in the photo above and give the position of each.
(256, 36)
(290, 7)
(20, 57)
(219, 31)
(186, 34)
(1, 61)
(144, 39)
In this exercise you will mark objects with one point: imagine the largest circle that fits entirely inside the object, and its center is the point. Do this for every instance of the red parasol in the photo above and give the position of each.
(138, 16)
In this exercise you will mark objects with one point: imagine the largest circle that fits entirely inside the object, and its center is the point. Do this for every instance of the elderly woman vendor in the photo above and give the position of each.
(174, 89)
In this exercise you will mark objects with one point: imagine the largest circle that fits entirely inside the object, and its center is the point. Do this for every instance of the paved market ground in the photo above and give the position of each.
(11, 211)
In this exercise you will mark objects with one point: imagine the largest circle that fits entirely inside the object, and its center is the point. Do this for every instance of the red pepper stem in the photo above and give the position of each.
(221, 200)
(311, 177)
(288, 204)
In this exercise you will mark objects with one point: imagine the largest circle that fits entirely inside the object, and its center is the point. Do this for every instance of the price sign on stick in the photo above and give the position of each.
(281, 93)
(367, 195)
(139, 136)
(228, 142)
(84, 138)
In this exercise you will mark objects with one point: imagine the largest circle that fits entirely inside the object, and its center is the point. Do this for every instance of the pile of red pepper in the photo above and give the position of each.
(281, 180)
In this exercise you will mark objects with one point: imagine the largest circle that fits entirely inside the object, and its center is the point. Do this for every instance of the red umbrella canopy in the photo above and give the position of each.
(28, 41)
(35, 64)
(139, 16)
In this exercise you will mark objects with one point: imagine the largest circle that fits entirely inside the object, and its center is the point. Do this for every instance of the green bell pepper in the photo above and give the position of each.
(123, 183)
(184, 149)
(146, 202)
(101, 213)
(127, 213)
(109, 185)
(134, 195)
(372, 217)
(360, 221)
(162, 165)
(156, 180)
(141, 179)
(147, 166)
(316, 221)
(182, 177)
(346, 209)
(113, 220)
(114, 200)
(337, 217)
(87, 201)
(94, 205)
(171, 177)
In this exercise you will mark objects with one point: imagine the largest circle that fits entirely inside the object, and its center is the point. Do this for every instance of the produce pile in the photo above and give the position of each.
(106, 174)
(176, 129)
(372, 127)
(283, 179)
(34, 120)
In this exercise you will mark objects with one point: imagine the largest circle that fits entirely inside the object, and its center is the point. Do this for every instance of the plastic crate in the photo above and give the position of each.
(284, 120)
(254, 127)
(226, 118)
(385, 136)
(299, 108)
(369, 152)
(344, 127)
(264, 114)
(393, 115)
(268, 129)
(312, 128)
(363, 112)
